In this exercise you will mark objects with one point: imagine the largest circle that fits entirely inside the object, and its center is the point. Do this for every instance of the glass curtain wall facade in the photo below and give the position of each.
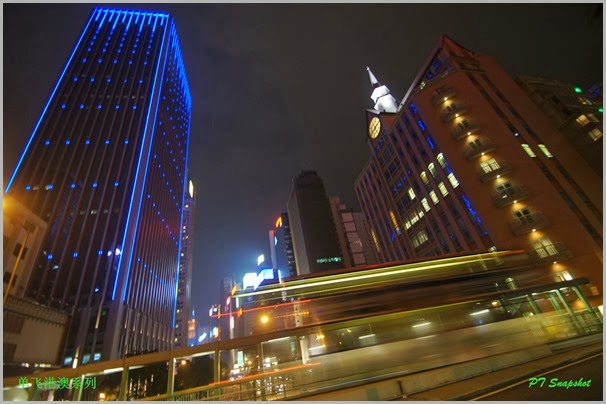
(106, 168)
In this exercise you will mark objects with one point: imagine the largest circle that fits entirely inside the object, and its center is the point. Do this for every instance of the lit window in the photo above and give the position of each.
(432, 169)
(453, 180)
(595, 134)
(395, 223)
(411, 193)
(419, 238)
(441, 160)
(375, 240)
(443, 189)
(524, 216)
(544, 247)
(490, 165)
(425, 204)
(434, 197)
(424, 178)
(582, 120)
(504, 189)
(545, 151)
(528, 150)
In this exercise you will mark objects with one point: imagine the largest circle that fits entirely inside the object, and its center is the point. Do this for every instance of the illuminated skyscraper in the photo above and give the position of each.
(467, 162)
(192, 330)
(105, 167)
(280, 243)
(185, 267)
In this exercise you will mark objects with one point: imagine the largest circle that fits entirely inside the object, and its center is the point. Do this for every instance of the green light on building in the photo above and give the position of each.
(578, 90)
(600, 109)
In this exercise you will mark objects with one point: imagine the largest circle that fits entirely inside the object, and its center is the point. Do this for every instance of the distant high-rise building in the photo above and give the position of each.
(225, 323)
(577, 114)
(192, 330)
(353, 235)
(185, 267)
(469, 163)
(282, 252)
(313, 232)
(105, 167)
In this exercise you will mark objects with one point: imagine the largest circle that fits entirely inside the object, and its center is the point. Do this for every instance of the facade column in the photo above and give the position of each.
(534, 305)
(555, 303)
(217, 367)
(590, 309)
(170, 385)
(122, 395)
(575, 321)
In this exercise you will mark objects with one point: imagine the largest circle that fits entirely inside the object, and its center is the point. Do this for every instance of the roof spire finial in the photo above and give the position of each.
(384, 102)
(373, 79)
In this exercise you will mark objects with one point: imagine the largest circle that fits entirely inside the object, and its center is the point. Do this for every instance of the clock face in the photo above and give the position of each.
(374, 127)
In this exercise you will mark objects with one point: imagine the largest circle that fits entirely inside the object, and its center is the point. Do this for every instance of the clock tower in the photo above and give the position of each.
(382, 115)
(384, 101)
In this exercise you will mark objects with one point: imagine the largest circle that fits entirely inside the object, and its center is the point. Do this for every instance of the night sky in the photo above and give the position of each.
(279, 88)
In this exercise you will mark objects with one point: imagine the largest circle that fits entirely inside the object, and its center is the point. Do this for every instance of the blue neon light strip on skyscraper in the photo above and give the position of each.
(137, 175)
(115, 21)
(10, 181)
(130, 18)
(102, 19)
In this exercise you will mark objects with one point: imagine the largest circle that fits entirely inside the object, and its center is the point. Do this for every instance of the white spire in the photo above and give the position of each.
(384, 101)
(373, 79)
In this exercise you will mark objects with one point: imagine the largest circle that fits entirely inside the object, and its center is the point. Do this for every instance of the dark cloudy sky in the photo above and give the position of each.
(278, 88)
